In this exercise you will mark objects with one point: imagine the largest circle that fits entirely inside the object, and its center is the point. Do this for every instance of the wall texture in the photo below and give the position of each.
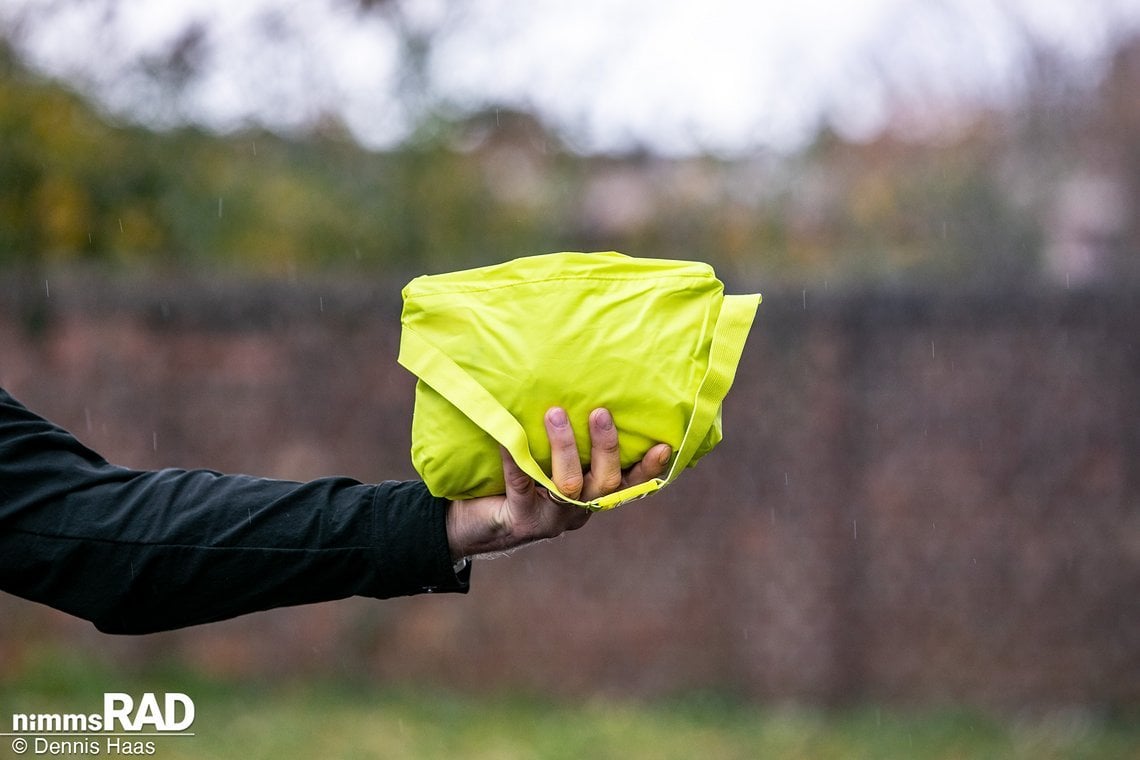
(921, 498)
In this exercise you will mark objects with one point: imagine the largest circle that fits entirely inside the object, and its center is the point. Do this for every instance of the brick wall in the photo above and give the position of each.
(921, 498)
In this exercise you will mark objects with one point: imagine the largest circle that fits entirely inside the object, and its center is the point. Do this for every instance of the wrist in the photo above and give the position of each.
(472, 528)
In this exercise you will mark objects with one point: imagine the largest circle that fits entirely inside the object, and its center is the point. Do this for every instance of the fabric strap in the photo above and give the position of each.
(434, 367)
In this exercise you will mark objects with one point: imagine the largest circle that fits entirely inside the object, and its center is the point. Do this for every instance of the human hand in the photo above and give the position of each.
(527, 513)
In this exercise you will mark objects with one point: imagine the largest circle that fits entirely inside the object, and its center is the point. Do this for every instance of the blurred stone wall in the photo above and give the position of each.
(921, 498)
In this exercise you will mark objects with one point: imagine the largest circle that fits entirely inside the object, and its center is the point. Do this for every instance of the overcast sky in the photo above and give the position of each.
(673, 75)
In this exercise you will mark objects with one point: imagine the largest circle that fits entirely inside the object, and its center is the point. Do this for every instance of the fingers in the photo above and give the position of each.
(527, 513)
(566, 469)
(604, 476)
(651, 466)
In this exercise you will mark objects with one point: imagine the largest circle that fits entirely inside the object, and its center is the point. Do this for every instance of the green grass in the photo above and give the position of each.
(306, 719)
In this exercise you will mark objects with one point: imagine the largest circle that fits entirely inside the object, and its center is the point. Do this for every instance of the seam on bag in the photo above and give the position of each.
(562, 278)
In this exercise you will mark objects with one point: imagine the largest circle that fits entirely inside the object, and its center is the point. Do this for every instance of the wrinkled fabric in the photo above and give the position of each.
(141, 551)
(575, 330)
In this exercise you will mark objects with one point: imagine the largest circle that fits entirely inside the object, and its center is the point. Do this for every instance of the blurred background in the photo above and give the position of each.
(928, 499)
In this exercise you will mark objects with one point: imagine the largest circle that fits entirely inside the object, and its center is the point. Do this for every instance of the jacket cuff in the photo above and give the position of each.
(410, 540)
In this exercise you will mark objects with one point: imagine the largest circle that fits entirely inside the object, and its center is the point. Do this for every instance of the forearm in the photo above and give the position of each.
(142, 551)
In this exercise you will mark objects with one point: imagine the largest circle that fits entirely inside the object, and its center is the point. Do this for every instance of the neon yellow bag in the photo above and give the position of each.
(654, 341)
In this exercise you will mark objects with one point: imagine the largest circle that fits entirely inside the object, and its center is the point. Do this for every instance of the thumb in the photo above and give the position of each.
(519, 486)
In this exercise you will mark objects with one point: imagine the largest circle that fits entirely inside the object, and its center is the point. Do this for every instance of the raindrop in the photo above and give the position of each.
(120, 224)
(219, 208)
(47, 289)
(322, 301)
(932, 348)
(154, 440)
(87, 417)
(805, 299)
(855, 529)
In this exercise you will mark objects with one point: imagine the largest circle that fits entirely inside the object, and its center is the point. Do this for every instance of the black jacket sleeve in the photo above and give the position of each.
(141, 551)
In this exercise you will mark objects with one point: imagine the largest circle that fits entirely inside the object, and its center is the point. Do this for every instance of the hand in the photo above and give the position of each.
(527, 513)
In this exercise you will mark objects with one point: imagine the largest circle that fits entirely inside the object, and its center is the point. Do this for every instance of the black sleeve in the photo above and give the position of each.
(141, 551)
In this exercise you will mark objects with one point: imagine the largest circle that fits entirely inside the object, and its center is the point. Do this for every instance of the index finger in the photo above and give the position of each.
(566, 468)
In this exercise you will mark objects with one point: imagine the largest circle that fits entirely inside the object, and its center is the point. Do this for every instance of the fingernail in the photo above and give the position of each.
(557, 417)
(664, 455)
(603, 419)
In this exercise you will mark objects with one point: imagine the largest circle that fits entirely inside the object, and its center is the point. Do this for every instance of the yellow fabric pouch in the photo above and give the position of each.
(654, 341)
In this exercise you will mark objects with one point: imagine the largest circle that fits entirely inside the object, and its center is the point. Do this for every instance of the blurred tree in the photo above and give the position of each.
(1118, 134)
(973, 204)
